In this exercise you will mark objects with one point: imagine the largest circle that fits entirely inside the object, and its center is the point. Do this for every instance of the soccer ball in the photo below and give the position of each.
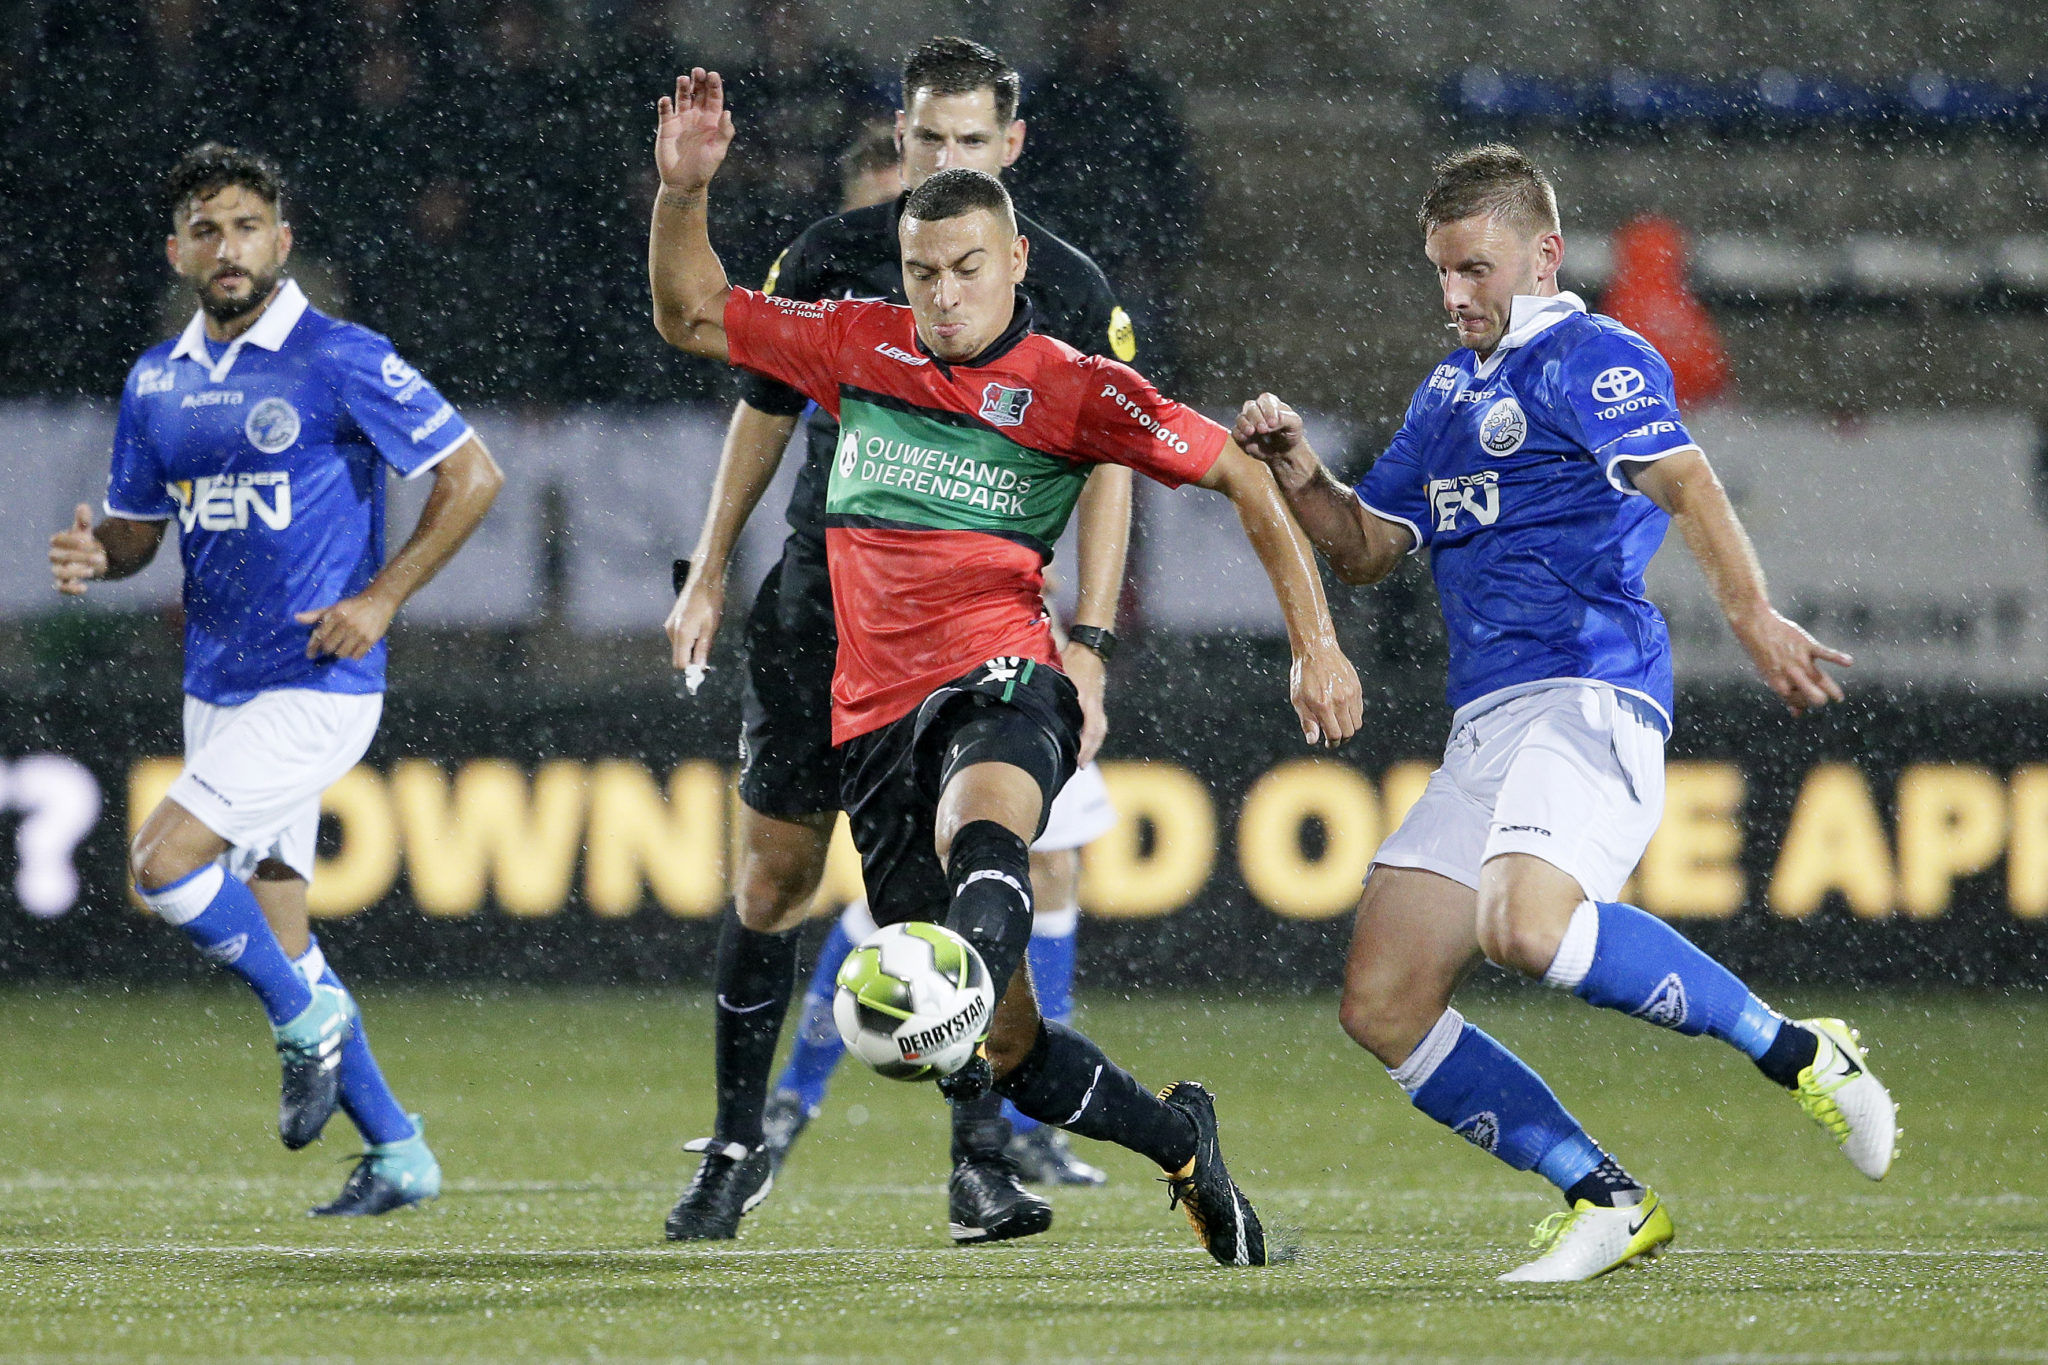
(914, 1001)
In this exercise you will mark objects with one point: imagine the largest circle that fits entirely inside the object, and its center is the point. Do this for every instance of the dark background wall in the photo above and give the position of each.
(1212, 712)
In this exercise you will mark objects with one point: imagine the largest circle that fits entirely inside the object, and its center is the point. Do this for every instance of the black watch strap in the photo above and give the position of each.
(1095, 638)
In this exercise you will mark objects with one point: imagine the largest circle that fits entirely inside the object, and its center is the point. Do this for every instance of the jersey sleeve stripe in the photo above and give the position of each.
(1413, 529)
(114, 511)
(1622, 485)
(443, 453)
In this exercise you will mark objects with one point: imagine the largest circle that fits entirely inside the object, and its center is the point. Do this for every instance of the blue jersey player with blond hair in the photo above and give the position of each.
(1540, 465)
(265, 430)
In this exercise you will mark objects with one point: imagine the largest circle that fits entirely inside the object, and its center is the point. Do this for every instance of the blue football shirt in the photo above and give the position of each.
(1509, 470)
(271, 454)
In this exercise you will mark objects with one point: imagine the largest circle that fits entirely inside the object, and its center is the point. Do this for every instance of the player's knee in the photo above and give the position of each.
(775, 893)
(155, 863)
(1513, 933)
(1383, 1022)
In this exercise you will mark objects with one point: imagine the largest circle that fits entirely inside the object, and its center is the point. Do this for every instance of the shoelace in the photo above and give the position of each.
(1180, 1194)
(365, 1163)
(1551, 1230)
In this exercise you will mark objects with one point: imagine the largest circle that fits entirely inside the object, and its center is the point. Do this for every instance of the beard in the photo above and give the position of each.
(227, 308)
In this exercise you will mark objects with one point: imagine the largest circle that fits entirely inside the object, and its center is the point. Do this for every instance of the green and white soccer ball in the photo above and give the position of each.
(914, 1001)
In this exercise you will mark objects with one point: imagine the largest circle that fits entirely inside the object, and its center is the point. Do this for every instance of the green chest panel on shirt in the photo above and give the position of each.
(916, 469)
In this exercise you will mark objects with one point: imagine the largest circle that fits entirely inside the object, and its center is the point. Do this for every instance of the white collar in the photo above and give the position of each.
(280, 315)
(1529, 317)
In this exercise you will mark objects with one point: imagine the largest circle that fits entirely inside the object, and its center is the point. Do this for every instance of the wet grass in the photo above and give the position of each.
(148, 1213)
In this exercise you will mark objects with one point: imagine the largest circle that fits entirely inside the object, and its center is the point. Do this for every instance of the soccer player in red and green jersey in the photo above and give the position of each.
(965, 440)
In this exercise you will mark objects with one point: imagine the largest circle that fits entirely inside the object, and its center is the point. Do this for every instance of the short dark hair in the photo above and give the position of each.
(1493, 179)
(211, 167)
(951, 193)
(874, 150)
(959, 66)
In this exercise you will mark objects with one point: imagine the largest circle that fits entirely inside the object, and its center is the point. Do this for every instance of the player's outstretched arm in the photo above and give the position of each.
(466, 483)
(116, 548)
(1322, 684)
(1361, 547)
(688, 283)
(1104, 522)
(1786, 656)
(747, 461)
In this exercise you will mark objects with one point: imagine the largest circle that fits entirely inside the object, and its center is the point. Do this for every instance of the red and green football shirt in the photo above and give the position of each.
(951, 482)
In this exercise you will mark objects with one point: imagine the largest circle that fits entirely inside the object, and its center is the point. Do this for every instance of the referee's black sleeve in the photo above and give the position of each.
(1089, 319)
(1109, 327)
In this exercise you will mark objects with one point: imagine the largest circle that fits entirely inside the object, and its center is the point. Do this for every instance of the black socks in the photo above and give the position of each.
(1066, 1081)
(755, 978)
(989, 868)
(1606, 1185)
(1790, 1053)
(979, 1128)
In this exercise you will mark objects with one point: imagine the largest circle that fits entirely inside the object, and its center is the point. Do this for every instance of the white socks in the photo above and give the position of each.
(1575, 952)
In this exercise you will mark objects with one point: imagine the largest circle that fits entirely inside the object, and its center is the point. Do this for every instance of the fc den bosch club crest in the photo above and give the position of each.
(1504, 427)
(1001, 407)
(272, 425)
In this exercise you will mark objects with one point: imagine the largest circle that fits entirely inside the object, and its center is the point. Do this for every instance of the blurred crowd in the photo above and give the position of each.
(473, 176)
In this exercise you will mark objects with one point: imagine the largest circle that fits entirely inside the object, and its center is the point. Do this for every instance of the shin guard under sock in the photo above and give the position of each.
(1624, 959)
(221, 917)
(989, 868)
(1066, 1081)
(1485, 1094)
(756, 975)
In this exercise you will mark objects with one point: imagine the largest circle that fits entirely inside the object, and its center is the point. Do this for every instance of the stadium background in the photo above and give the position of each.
(1863, 189)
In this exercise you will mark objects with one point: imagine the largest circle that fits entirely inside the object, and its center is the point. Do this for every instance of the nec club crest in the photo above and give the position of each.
(1001, 407)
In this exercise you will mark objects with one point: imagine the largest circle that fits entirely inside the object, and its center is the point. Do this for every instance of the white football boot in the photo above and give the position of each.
(1593, 1239)
(1838, 1092)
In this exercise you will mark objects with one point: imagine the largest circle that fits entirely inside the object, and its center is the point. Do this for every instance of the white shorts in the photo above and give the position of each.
(1080, 814)
(254, 772)
(1573, 774)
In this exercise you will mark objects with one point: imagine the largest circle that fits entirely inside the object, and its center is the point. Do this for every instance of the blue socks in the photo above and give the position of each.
(1485, 1094)
(818, 1048)
(1051, 955)
(221, 917)
(1621, 958)
(365, 1095)
(1614, 956)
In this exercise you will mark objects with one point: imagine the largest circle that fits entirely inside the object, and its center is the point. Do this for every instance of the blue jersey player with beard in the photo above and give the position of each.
(265, 430)
(1540, 466)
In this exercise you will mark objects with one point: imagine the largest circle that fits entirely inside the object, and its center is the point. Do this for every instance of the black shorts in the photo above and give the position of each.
(890, 778)
(788, 767)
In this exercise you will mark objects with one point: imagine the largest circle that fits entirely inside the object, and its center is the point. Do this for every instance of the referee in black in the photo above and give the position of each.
(959, 109)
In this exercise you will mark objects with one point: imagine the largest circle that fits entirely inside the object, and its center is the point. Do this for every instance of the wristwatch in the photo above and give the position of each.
(1095, 638)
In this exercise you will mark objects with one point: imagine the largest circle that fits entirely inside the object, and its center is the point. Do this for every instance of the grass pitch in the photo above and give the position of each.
(147, 1211)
